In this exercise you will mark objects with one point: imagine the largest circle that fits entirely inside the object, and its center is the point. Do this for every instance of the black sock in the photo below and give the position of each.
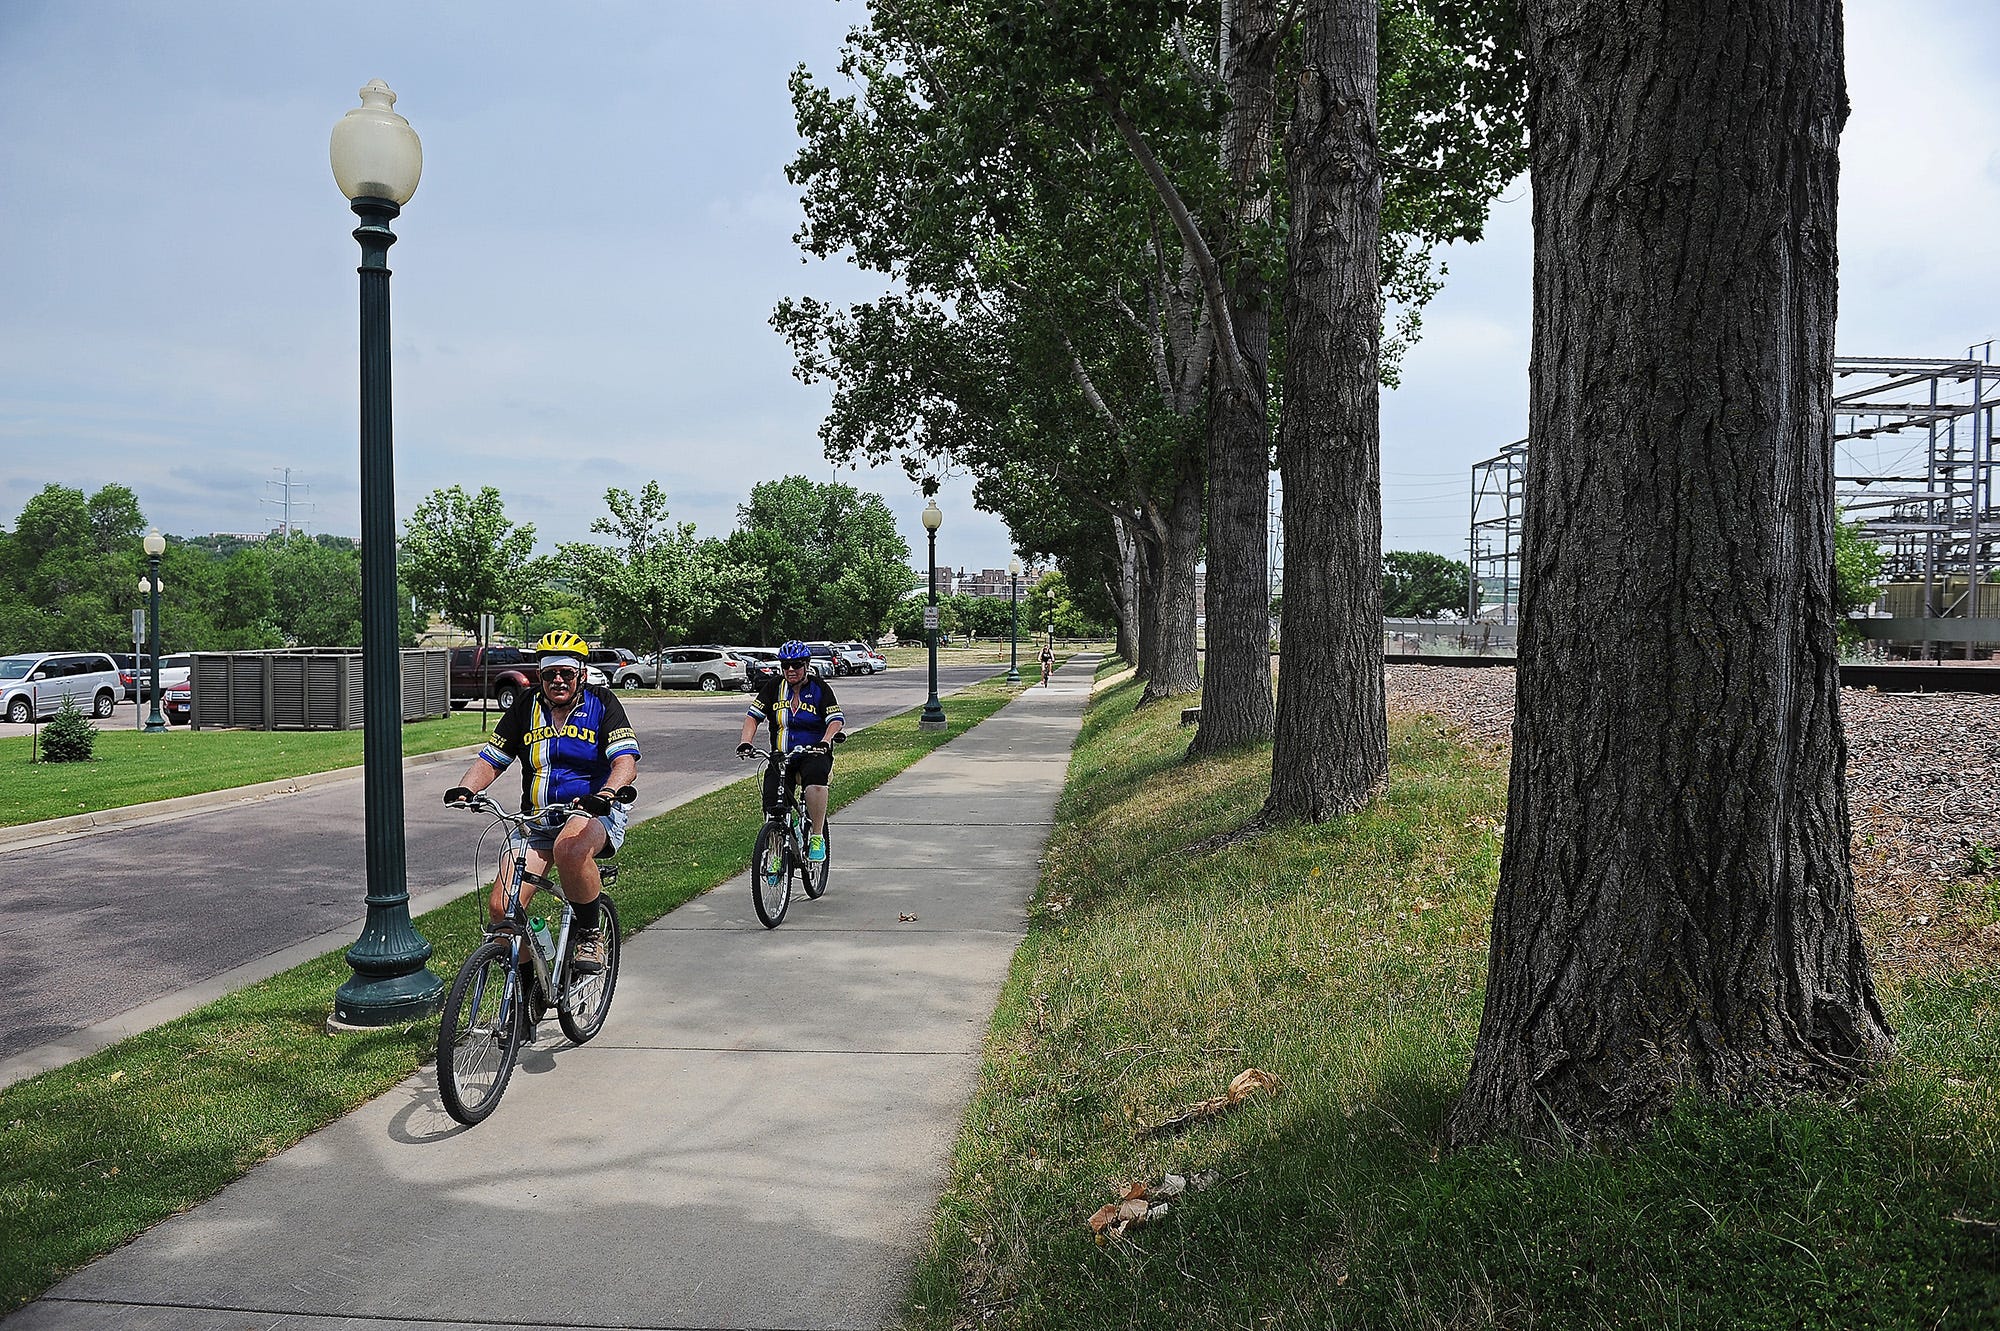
(586, 913)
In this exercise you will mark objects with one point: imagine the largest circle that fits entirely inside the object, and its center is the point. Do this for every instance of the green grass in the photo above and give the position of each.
(134, 768)
(1349, 961)
(93, 1153)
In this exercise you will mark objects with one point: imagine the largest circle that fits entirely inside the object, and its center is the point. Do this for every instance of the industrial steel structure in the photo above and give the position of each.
(1494, 541)
(1917, 464)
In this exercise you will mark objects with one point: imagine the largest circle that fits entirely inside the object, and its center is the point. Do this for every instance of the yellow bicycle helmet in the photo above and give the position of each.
(561, 642)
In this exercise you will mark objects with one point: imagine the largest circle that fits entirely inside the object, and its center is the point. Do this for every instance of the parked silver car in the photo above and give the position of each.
(853, 659)
(704, 668)
(37, 684)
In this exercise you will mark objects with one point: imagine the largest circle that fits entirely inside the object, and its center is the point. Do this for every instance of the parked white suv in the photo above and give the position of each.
(37, 683)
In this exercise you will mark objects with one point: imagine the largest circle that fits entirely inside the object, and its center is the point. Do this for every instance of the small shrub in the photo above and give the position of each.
(69, 737)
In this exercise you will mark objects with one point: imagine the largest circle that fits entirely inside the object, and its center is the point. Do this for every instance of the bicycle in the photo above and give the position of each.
(781, 846)
(518, 972)
(1048, 668)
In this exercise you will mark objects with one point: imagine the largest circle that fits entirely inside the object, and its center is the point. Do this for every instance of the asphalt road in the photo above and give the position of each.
(100, 924)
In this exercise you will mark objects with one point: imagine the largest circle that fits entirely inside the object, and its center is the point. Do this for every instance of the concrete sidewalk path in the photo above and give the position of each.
(756, 1140)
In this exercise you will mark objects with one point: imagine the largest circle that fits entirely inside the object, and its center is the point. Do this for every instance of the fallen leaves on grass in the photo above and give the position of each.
(1142, 1204)
(1244, 1085)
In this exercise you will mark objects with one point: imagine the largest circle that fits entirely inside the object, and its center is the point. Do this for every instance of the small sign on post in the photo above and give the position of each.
(930, 618)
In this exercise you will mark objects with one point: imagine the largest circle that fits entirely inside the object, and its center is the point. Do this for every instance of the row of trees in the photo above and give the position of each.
(806, 557)
(1087, 210)
(1137, 248)
(70, 570)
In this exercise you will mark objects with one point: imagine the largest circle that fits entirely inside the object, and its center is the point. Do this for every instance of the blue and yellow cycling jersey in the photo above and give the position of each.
(798, 714)
(560, 763)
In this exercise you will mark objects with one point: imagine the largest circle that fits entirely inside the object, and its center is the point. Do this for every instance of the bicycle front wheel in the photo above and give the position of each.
(480, 1033)
(815, 875)
(586, 999)
(771, 874)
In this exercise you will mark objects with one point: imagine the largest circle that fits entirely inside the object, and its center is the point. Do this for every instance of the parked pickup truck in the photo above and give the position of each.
(499, 673)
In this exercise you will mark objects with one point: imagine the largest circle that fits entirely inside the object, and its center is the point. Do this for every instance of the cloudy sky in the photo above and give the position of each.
(584, 276)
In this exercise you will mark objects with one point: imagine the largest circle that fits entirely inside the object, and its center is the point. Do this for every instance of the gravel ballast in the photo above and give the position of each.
(1923, 797)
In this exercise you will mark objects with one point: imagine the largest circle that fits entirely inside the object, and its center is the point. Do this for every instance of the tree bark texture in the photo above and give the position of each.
(1123, 587)
(1236, 680)
(1675, 909)
(1330, 752)
(1169, 551)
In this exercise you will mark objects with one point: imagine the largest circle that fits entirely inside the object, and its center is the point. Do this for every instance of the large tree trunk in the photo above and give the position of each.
(1123, 587)
(1331, 749)
(1236, 679)
(1675, 908)
(1166, 614)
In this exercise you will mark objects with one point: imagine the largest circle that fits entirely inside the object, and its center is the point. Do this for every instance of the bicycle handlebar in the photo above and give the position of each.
(756, 752)
(551, 816)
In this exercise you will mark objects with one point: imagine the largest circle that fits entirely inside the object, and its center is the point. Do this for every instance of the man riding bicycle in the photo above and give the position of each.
(575, 745)
(802, 714)
(1048, 661)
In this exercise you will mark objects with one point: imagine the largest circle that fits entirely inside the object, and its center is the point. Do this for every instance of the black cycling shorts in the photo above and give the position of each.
(812, 769)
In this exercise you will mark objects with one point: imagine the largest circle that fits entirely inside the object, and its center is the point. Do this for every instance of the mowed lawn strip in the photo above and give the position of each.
(130, 767)
(93, 1153)
(1349, 960)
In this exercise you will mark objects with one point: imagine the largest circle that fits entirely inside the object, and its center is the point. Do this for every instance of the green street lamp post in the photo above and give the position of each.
(156, 545)
(1014, 646)
(933, 716)
(376, 162)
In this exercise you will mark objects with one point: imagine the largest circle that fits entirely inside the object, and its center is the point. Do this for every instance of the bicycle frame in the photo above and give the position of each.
(549, 976)
(791, 811)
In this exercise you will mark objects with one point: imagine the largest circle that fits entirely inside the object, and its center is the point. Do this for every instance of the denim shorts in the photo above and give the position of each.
(613, 824)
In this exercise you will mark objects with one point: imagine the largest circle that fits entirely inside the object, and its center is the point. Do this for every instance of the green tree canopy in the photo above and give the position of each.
(1054, 602)
(1857, 563)
(69, 570)
(655, 583)
(1417, 584)
(462, 557)
(828, 559)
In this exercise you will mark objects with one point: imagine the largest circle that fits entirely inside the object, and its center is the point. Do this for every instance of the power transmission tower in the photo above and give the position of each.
(284, 501)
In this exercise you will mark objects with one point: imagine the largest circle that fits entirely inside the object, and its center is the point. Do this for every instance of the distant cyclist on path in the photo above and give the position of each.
(1048, 661)
(574, 743)
(802, 713)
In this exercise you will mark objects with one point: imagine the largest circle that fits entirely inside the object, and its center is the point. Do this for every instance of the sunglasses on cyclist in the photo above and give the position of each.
(561, 675)
(794, 665)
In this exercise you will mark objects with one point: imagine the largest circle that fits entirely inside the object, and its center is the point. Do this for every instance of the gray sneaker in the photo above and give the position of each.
(588, 954)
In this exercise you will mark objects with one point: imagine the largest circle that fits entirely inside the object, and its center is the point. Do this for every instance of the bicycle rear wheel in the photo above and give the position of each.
(480, 1033)
(815, 874)
(586, 999)
(771, 874)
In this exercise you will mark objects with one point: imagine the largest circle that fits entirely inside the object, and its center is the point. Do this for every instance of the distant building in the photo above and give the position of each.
(946, 579)
(997, 582)
(986, 582)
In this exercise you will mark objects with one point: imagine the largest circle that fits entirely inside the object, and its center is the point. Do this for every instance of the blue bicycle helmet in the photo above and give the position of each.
(794, 651)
